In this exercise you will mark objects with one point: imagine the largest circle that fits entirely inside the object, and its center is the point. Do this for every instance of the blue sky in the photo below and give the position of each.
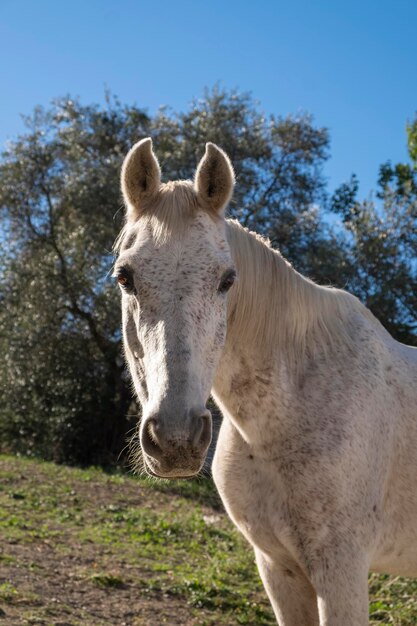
(353, 65)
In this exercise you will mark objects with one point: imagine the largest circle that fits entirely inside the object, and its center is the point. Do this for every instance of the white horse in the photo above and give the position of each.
(316, 461)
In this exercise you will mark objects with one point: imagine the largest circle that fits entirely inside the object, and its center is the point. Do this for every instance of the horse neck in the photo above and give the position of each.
(273, 310)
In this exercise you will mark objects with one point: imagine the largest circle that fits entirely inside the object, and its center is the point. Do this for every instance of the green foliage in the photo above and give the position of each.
(412, 140)
(385, 250)
(63, 392)
(381, 246)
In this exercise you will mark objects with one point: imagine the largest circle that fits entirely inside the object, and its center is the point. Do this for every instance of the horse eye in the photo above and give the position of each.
(227, 281)
(124, 279)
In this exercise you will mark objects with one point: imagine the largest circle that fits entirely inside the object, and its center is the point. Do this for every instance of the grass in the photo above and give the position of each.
(150, 551)
(7, 592)
(106, 580)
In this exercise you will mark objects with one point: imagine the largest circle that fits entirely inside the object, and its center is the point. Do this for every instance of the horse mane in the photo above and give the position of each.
(275, 307)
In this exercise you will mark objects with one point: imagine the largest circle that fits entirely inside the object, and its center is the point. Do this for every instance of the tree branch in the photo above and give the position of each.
(102, 343)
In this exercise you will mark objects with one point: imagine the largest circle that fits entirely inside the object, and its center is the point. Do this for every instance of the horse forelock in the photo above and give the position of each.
(169, 213)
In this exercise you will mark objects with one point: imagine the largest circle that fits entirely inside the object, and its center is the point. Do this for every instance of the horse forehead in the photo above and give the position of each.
(180, 259)
(200, 243)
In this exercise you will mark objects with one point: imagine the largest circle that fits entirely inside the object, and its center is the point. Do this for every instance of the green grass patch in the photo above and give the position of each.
(8, 593)
(106, 580)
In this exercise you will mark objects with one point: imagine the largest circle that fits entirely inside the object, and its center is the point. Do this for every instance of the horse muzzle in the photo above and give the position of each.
(173, 450)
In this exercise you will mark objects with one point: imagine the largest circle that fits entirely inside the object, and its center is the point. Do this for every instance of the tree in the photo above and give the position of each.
(64, 392)
(412, 140)
(382, 244)
(62, 382)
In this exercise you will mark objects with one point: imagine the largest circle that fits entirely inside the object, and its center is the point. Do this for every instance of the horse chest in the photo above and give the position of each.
(252, 510)
(253, 498)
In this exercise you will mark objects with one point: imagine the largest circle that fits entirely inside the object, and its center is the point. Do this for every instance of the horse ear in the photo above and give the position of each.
(214, 179)
(140, 178)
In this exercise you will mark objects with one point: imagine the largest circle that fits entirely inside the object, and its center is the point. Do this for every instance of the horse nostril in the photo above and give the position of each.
(149, 439)
(202, 436)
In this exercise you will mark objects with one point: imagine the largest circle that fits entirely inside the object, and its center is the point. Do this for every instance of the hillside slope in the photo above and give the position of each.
(91, 548)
